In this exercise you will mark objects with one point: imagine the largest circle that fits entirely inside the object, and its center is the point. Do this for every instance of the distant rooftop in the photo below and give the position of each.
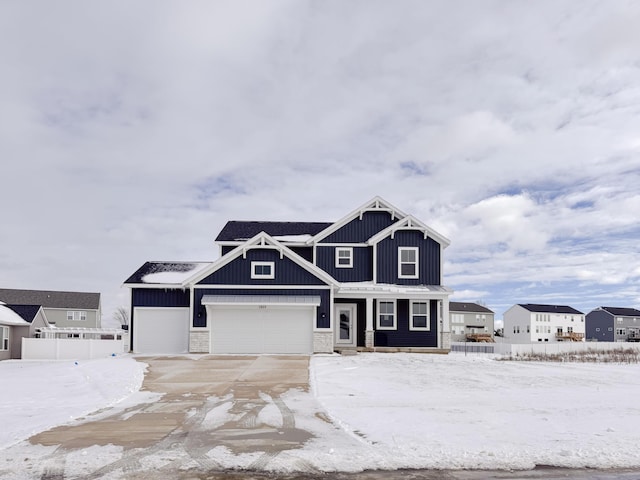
(51, 298)
(468, 307)
(622, 312)
(539, 308)
(235, 231)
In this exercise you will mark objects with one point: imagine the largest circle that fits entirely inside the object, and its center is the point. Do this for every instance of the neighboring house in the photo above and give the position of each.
(613, 324)
(528, 322)
(62, 309)
(16, 323)
(371, 279)
(470, 321)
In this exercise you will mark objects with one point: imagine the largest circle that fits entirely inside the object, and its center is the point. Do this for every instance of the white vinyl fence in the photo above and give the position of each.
(69, 348)
(514, 349)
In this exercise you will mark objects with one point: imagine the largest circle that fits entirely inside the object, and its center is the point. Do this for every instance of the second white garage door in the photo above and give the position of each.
(160, 330)
(261, 328)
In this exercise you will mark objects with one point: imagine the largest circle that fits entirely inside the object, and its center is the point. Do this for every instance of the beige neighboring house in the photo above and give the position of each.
(470, 322)
(16, 323)
(533, 322)
(60, 309)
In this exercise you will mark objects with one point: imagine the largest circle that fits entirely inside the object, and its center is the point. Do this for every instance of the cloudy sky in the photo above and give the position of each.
(132, 131)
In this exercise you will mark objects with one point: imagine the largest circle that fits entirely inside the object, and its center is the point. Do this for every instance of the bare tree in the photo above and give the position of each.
(121, 315)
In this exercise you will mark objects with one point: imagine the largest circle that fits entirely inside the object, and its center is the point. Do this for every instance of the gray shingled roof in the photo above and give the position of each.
(468, 307)
(539, 308)
(622, 312)
(240, 230)
(50, 298)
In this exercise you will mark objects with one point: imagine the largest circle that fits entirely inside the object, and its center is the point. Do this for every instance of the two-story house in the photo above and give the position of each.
(62, 309)
(613, 324)
(373, 279)
(470, 321)
(529, 322)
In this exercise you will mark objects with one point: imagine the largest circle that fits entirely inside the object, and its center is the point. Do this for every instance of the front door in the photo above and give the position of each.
(345, 324)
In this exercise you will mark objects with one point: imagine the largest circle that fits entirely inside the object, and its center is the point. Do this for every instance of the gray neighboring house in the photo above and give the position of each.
(470, 321)
(61, 309)
(16, 323)
(613, 324)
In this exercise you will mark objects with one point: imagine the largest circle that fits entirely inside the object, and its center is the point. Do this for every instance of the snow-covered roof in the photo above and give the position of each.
(9, 317)
(363, 287)
(166, 273)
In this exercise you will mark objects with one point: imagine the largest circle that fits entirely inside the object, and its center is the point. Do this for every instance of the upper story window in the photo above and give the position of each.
(264, 270)
(4, 338)
(386, 315)
(76, 316)
(419, 316)
(344, 257)
(408, 262)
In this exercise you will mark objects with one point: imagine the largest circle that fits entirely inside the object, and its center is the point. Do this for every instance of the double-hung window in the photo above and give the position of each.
(408, 262)
(419, 316)
(386, 315)
(76, 316)
(262, 270)
(4, 338)
(344, 257)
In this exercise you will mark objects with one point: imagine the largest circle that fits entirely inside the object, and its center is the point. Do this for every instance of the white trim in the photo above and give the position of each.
(349, 250)
(376, 204)
(223, 286)
(395, 314)
(410, 223)
(353, 245)
(261, 240)
(265, 276)
(416, 262)
(171, 286)
(411, 315)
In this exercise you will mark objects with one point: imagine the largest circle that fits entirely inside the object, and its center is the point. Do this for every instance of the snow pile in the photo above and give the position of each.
(38, 395)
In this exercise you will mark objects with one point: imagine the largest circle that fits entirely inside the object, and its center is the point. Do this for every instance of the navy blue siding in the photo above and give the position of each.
(428, 259)
(362, 270)
(602, 320)
(200, 311)
(304, 252)
(238, 271)
(359, 231)
(159, 297)
(402, 336)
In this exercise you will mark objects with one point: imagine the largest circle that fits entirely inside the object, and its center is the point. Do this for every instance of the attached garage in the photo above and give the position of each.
(163, 330)
(261, 324)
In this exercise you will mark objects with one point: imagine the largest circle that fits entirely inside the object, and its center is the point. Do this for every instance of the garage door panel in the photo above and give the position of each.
(161, 330)
(255, 329)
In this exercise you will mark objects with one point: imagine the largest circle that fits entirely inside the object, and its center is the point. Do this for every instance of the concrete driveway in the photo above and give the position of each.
(184, 424)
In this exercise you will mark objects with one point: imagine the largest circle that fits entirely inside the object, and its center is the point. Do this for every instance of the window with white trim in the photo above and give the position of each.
(419, 316)
(4, 338)
(386, 315)
(407, 262)
(621, 331)
(76, 316)
(265, 270)
(344, 257)
(457, 318)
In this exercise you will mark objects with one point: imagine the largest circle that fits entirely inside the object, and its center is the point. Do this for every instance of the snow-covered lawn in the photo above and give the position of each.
(38, 395)
(393, 410)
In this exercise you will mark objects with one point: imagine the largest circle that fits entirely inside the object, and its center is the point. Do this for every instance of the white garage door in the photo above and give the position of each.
(261, 328)
(160, 330)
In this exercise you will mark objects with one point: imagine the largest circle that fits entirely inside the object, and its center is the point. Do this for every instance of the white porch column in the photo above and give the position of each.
(446, 325)
(368, 334)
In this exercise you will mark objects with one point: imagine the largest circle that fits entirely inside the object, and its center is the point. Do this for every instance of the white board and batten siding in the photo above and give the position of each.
(161, 330)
